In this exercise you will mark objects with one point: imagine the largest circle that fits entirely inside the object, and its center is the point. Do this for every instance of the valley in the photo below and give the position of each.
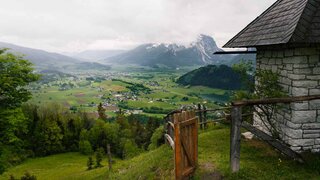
(138, 91)
(86, 102)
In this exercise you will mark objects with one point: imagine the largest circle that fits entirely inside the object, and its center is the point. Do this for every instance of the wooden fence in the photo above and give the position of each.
(183, 138)
(182, 132)
(237, 123)
(182, 135)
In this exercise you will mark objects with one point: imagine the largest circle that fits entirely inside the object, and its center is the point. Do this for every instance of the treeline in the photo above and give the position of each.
(152, 109)
(51, 129)
(135, 87)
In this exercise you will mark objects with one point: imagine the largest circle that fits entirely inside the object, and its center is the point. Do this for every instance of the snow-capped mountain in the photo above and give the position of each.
(199, 52)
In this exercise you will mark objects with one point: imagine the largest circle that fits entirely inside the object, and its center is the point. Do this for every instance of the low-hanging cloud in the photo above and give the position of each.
(76, 25)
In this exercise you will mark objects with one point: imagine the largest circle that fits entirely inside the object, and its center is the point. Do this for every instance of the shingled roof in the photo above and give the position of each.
(286, 21)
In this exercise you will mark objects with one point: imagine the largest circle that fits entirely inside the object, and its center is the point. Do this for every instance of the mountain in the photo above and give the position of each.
(96, 55)
(41, 59)
(221, 77)
(199, 52)
(88, 66)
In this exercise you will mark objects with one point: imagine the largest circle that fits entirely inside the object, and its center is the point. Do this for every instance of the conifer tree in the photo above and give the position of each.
(102, 112)
(90, 163)
(99, 155)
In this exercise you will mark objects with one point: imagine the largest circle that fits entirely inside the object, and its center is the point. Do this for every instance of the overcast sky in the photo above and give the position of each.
(76, 25)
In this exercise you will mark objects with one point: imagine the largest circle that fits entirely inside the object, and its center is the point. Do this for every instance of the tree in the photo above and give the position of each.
(15, 74)
(99, 156)
(102, 112)
(90, 163)
(85, 147)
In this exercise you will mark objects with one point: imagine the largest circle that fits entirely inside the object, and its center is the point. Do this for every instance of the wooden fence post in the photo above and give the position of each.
(205, 116)
(200, 116)
(177, 148)
(235, 139)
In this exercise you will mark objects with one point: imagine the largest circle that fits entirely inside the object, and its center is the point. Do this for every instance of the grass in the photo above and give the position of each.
(258, 161)
(73, 166)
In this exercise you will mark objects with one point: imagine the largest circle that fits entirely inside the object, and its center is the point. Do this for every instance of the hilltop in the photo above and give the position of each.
(222, 77)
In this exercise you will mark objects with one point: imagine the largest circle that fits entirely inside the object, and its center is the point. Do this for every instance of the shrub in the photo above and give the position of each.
(157, 138)
(130, 149)
(28, 176)
(85, 147)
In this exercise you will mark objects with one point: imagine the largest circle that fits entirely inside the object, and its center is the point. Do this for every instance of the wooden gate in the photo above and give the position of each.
(185, 143)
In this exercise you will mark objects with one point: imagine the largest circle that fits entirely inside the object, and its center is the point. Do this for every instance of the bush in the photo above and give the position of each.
(157, 138)
(28, 176)
(85, 147)
(130, 149)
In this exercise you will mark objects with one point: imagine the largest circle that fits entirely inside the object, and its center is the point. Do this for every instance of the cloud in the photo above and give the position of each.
(75, 25)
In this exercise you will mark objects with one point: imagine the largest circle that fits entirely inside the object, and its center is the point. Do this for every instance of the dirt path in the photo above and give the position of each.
(209, 172)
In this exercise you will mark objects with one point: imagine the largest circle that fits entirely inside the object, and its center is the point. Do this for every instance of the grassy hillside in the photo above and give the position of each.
(73, 166)
(258, 161)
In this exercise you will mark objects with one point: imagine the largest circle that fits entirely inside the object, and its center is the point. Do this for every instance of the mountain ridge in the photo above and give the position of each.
(40, 58)
(199, 52)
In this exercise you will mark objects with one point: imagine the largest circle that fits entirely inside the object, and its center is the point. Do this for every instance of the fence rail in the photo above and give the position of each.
(237, 123)
(176, 122)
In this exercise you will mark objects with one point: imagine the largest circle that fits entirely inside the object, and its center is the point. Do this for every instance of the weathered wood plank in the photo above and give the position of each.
(235, 138)
(185, 143)
(205, 117)
(275, 100)
(273, 142)
(188, 171)
(177, 148)
(200, 115)
(186, 150)
(195, 139)
(169, 140)
(188, 122)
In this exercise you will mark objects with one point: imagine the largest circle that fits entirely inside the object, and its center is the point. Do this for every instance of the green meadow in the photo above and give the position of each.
(258, 161)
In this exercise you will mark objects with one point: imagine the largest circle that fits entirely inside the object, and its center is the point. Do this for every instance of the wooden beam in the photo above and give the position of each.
(200, 115)
(171, 124)
(187, 153)
(273, 142)
(205, 117)
(213, 110)
(275, 100)
(235, 139)
(235, 52)
(170, 140)
(177, 147)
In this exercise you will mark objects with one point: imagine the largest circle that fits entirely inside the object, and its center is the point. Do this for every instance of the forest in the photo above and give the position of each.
(29, 130)
(222, 77)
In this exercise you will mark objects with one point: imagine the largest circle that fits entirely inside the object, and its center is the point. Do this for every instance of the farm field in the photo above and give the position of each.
(151, 93)
(258, 161)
